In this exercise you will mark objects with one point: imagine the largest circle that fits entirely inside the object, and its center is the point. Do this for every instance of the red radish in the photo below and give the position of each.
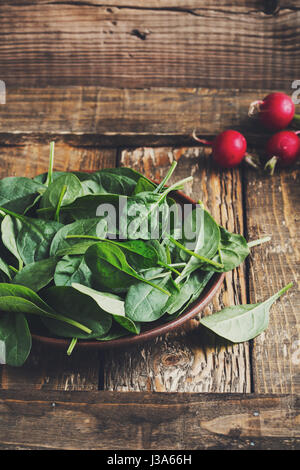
(284, 148)
(228, 148)
(276, 111)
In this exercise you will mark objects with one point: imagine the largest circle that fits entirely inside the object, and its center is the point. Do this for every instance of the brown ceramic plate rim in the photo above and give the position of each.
(206, 296)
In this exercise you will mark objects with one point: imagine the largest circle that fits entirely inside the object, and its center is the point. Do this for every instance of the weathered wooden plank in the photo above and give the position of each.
(267, 6)
(189, 360)
(272, 208)
(106, 420)
(50, 368)
(105, 116)
(32, 158)
(231, 44)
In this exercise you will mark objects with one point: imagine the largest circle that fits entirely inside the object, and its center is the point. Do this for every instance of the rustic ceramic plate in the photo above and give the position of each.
(159, 329)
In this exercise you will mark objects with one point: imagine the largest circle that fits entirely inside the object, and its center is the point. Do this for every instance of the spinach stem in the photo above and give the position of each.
(13, 269)
(166, 178)
(169, 259)
(175, 187)
(63, 192)
(258, 242)
(192, 253)
(90, 237)
(72, 346)
(13, 214)
(169, 267)
(51, 162)
(68, 320)
(164, 291)
(282, 291)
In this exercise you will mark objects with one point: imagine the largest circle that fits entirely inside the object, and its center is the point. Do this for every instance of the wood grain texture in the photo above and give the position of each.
(97, 116)
(50, 368)
(273, 209)
(127, 44)
(189, 360)
(105, 420)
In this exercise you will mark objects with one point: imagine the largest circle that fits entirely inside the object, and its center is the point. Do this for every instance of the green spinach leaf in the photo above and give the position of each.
(72, 269)
(73, 191)
(242, 322)
(15, 339)
(17, 193)
(111, 304)
(111, 269)
(78, 307)
(232, 251)
(86, 227)
(144, 304)
(37, 275)
(33, 237)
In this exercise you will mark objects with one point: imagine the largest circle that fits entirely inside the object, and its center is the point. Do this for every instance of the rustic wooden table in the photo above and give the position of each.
(239, 396)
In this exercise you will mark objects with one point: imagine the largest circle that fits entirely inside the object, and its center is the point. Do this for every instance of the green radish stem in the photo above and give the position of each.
(270, 165)
(258, 242)
(296, 120)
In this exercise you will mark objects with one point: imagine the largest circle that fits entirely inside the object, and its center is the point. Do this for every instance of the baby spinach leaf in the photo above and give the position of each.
(143, 185)
(242, 322)
(78, 307)
(42, 178)
(9, 230)
(24, 293)
(15, 339)
(73, 191)
(4, 268)
(111, 304)
(189, 291)
(17, 193)
(72, 269)
(144, 216)
(14, 304)
(15, 298)
(36, 275)
(104, 182)
(86, 207)
(76, 249)
(111, 269)
(144, 304)
(205, 242)
(33, 236)
(140, 255)
(232, 251)
(125, 171)
(86, 227)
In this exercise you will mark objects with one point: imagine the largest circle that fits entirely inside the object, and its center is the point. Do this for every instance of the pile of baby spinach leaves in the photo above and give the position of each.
(66, 271)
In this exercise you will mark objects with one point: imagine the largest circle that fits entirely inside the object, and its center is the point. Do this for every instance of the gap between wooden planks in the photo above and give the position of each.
(111, 420)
